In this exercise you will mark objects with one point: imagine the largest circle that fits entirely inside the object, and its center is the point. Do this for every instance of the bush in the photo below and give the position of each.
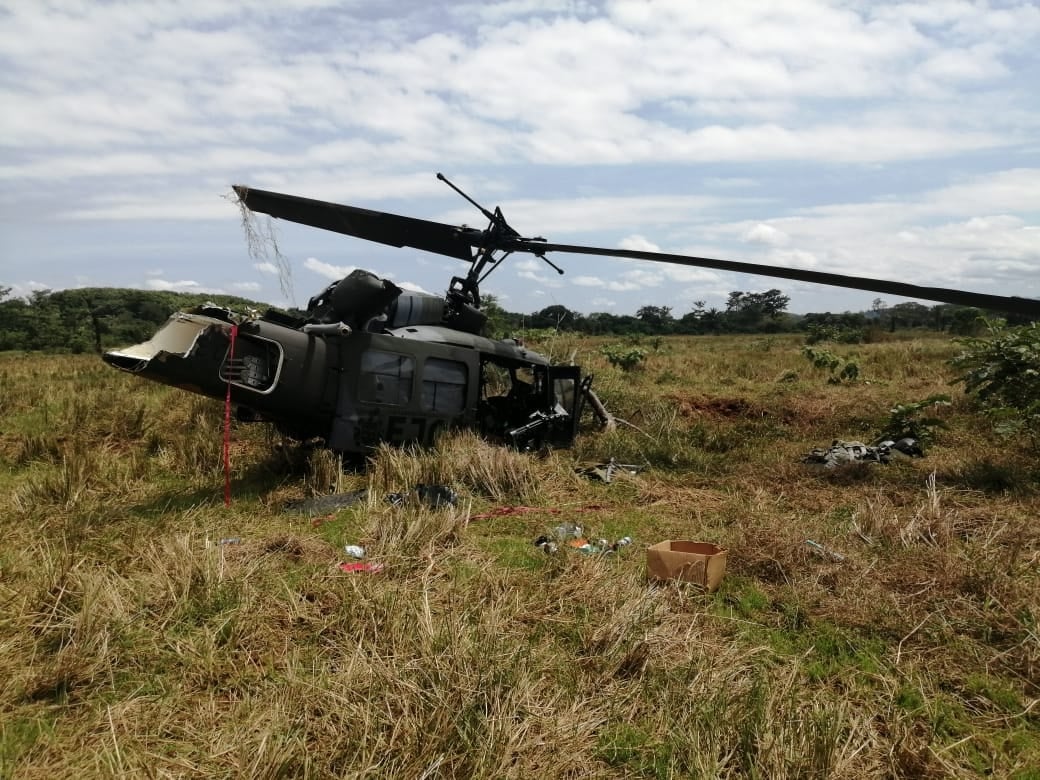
(839, 334)
(841, 369)
(914, 421)
(1003, 371)
(625, 358)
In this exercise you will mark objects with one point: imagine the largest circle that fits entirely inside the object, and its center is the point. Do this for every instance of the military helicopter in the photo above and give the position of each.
(371, 363)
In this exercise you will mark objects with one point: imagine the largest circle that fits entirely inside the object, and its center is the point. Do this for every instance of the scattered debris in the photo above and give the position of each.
(825, 552)
(547, 544)
(231, 540)
(906, 446)
(842, 452)
(434, 496)
(354, 550)
(567, 531)
(361, 567)
(600, 546)
(324, 504)
(570, 536)
(605, 471)
(437, 495)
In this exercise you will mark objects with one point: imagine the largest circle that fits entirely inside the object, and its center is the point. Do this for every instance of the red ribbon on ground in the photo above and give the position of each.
(227, 419)
(362, 567)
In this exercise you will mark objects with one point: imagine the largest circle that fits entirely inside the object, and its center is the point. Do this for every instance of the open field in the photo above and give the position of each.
(132, 643)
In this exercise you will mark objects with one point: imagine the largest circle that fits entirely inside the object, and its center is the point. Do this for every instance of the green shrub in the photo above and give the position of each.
(625, 358)
(1003, 371)
(913, 419)
(841, 369)
(840, 334)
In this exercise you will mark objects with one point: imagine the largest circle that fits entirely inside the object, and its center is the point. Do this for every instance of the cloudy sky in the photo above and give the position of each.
(892, 140)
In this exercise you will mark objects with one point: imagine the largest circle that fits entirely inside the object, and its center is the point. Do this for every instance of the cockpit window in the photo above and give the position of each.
(255, 365)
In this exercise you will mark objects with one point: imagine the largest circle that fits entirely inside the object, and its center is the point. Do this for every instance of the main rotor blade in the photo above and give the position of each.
(1027, 306)
(379, 226)
(395, 230)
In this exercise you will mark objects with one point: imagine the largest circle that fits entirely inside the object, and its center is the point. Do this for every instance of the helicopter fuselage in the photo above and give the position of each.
(356, 389)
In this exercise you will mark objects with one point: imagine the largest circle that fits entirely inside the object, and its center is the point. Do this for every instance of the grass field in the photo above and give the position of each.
(133, 643)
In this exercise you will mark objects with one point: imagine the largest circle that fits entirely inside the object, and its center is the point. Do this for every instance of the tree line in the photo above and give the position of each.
(752, 312)
(93, 319)
(99, 318)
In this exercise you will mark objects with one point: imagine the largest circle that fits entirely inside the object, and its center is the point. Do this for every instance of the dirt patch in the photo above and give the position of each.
(713, 407)
(703, 406)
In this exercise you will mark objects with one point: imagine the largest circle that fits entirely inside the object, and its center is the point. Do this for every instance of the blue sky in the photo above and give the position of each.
(892, 140)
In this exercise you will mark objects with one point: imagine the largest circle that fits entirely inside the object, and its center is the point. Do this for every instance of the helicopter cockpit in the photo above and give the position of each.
(529, 405)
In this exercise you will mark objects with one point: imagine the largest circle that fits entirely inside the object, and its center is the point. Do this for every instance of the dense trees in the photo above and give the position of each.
(556, 317)
(92, 319)
(751, 311)
(658, 318)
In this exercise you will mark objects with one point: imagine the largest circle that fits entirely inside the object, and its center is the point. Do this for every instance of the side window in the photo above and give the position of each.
(563, 387)
(443, 386)
(386, 378)
(255, 366)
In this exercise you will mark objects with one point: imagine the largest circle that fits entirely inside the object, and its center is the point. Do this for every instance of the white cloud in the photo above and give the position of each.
(183, 285)
(889, 138)
(246, 286)
(412, 286)
(26, 289)
(528, 265)
(643, 276)
(587, 281)
(766, 234)
(328, 270)
(542, 279)
(638, 244)
(604, 86)
(678, 273)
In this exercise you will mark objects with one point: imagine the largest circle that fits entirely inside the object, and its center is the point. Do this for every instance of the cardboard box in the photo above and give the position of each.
(676, 559)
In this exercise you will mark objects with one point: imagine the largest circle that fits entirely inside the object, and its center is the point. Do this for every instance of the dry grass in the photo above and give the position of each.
(134, 642)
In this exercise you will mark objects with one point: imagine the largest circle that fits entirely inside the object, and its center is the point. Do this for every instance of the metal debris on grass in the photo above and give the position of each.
(605, 471)
(322, 505)
(434, 496)
(580, 544)
(842, 452)
(825, 552)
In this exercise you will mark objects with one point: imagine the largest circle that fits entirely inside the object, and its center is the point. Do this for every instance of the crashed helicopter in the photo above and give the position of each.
(370, 362)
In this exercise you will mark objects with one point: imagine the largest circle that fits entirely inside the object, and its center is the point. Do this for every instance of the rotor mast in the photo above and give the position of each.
(499, 236)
